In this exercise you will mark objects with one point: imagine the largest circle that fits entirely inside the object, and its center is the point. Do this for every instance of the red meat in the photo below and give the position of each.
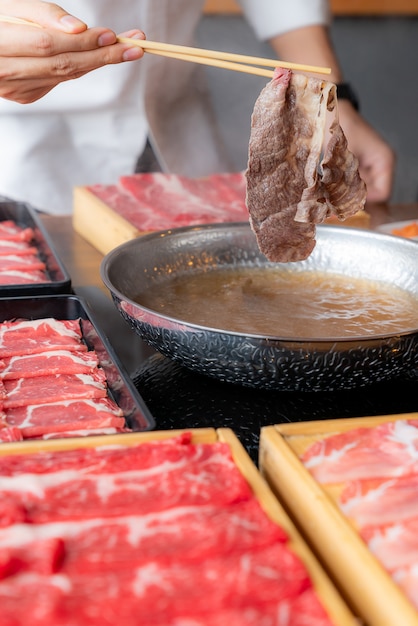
(48, 363)
(9, 230)
(159, 201)
(32, 336)
(21, 277)
(44, 389)
(21, 248)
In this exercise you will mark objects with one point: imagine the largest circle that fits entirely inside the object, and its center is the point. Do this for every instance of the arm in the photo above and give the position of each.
(34, 60)
(311, 44)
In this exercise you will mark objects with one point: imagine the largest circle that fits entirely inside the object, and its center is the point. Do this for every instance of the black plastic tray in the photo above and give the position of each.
(59, 279)
(69, 307)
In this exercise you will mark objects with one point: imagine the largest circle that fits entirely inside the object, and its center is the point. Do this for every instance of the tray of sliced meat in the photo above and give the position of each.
(29, 264)
(108, 215)
(160, 528)
(59, 377)
(352, 485)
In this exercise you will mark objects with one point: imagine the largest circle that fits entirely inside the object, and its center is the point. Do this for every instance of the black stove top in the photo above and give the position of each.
(180, 398)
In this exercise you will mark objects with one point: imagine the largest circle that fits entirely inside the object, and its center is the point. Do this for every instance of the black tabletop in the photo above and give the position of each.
(180, 398)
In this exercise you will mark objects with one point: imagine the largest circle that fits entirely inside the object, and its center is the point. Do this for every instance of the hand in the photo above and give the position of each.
(34, 60)
(376, 158)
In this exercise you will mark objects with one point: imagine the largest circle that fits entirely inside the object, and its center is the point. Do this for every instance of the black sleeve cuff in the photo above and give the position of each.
(346, 92)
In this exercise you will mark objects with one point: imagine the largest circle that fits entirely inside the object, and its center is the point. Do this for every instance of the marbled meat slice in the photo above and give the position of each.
(212, 530)
(203, 549)
(159, 201)
(48, 363)
(145, 490)
(32, 336)
(40, 419)
(10, 230)
(53, 388)
(304, 610)
(184, 201)
(291, 187)
(16, 248)
(389, 449)
(21, 262)
(154, 592)
(80, 432)
(407, 579)
(396, 545)
(22, 277)
(379, 502)
(10, 433)
(146, 478)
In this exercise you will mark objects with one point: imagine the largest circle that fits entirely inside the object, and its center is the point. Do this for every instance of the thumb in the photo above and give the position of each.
(47, 15)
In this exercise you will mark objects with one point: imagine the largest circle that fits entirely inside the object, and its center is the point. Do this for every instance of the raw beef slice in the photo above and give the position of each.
(299, 168)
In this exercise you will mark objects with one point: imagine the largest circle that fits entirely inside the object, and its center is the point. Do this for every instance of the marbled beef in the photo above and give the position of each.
(299, 168)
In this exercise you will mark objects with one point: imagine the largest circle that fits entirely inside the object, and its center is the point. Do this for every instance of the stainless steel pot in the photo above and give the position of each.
(294, 364)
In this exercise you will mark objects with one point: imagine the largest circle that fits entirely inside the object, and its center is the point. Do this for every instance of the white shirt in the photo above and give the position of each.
(91, 130)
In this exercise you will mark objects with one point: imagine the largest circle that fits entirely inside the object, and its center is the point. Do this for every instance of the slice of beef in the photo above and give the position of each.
(53, 388)
(21, 262)
(37, 420)
(299, 168)
(21, 248)
(10, 230)
(21, 337)
(48, 363)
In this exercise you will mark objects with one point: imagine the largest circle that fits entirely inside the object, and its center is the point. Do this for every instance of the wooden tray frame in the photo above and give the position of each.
(367, 586)
(327, 592)
(100, 225)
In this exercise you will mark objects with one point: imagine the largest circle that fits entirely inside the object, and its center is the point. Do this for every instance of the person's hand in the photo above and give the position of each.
(376, 158)
(34, 60)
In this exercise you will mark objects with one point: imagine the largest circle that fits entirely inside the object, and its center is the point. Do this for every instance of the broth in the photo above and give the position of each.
(268, 301)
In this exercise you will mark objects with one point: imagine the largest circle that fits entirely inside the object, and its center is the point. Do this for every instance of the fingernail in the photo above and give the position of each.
(132, 54)
(106, 39)
(72, 24)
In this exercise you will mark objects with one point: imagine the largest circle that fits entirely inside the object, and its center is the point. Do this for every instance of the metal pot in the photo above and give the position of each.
(269, 362)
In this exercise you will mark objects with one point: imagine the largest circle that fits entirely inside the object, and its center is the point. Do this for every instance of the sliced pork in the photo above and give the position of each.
(300, 170)
(387, 450)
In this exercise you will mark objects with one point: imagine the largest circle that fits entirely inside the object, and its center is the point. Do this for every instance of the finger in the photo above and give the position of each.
(45, 14)
(25, 92)
(47, 42)
(133, 34)
(378, 182)
(65, 66)
(21, 41)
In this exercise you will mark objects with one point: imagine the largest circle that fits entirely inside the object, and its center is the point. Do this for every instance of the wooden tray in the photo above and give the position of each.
(368, 588)
(330, 597)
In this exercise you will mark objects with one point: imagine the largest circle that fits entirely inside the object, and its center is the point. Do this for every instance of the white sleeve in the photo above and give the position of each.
(274, 17)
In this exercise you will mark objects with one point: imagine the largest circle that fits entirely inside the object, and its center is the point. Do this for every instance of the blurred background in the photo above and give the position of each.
(377, 44)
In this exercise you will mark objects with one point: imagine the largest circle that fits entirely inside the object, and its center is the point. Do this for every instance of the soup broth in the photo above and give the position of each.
(268, 301)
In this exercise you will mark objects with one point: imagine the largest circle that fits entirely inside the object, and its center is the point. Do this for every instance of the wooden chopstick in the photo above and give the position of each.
(228, 58)
(18, 20)
(226, 65)
(225, 60)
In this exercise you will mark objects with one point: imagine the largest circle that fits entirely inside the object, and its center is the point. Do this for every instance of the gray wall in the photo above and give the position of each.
(379, 57)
